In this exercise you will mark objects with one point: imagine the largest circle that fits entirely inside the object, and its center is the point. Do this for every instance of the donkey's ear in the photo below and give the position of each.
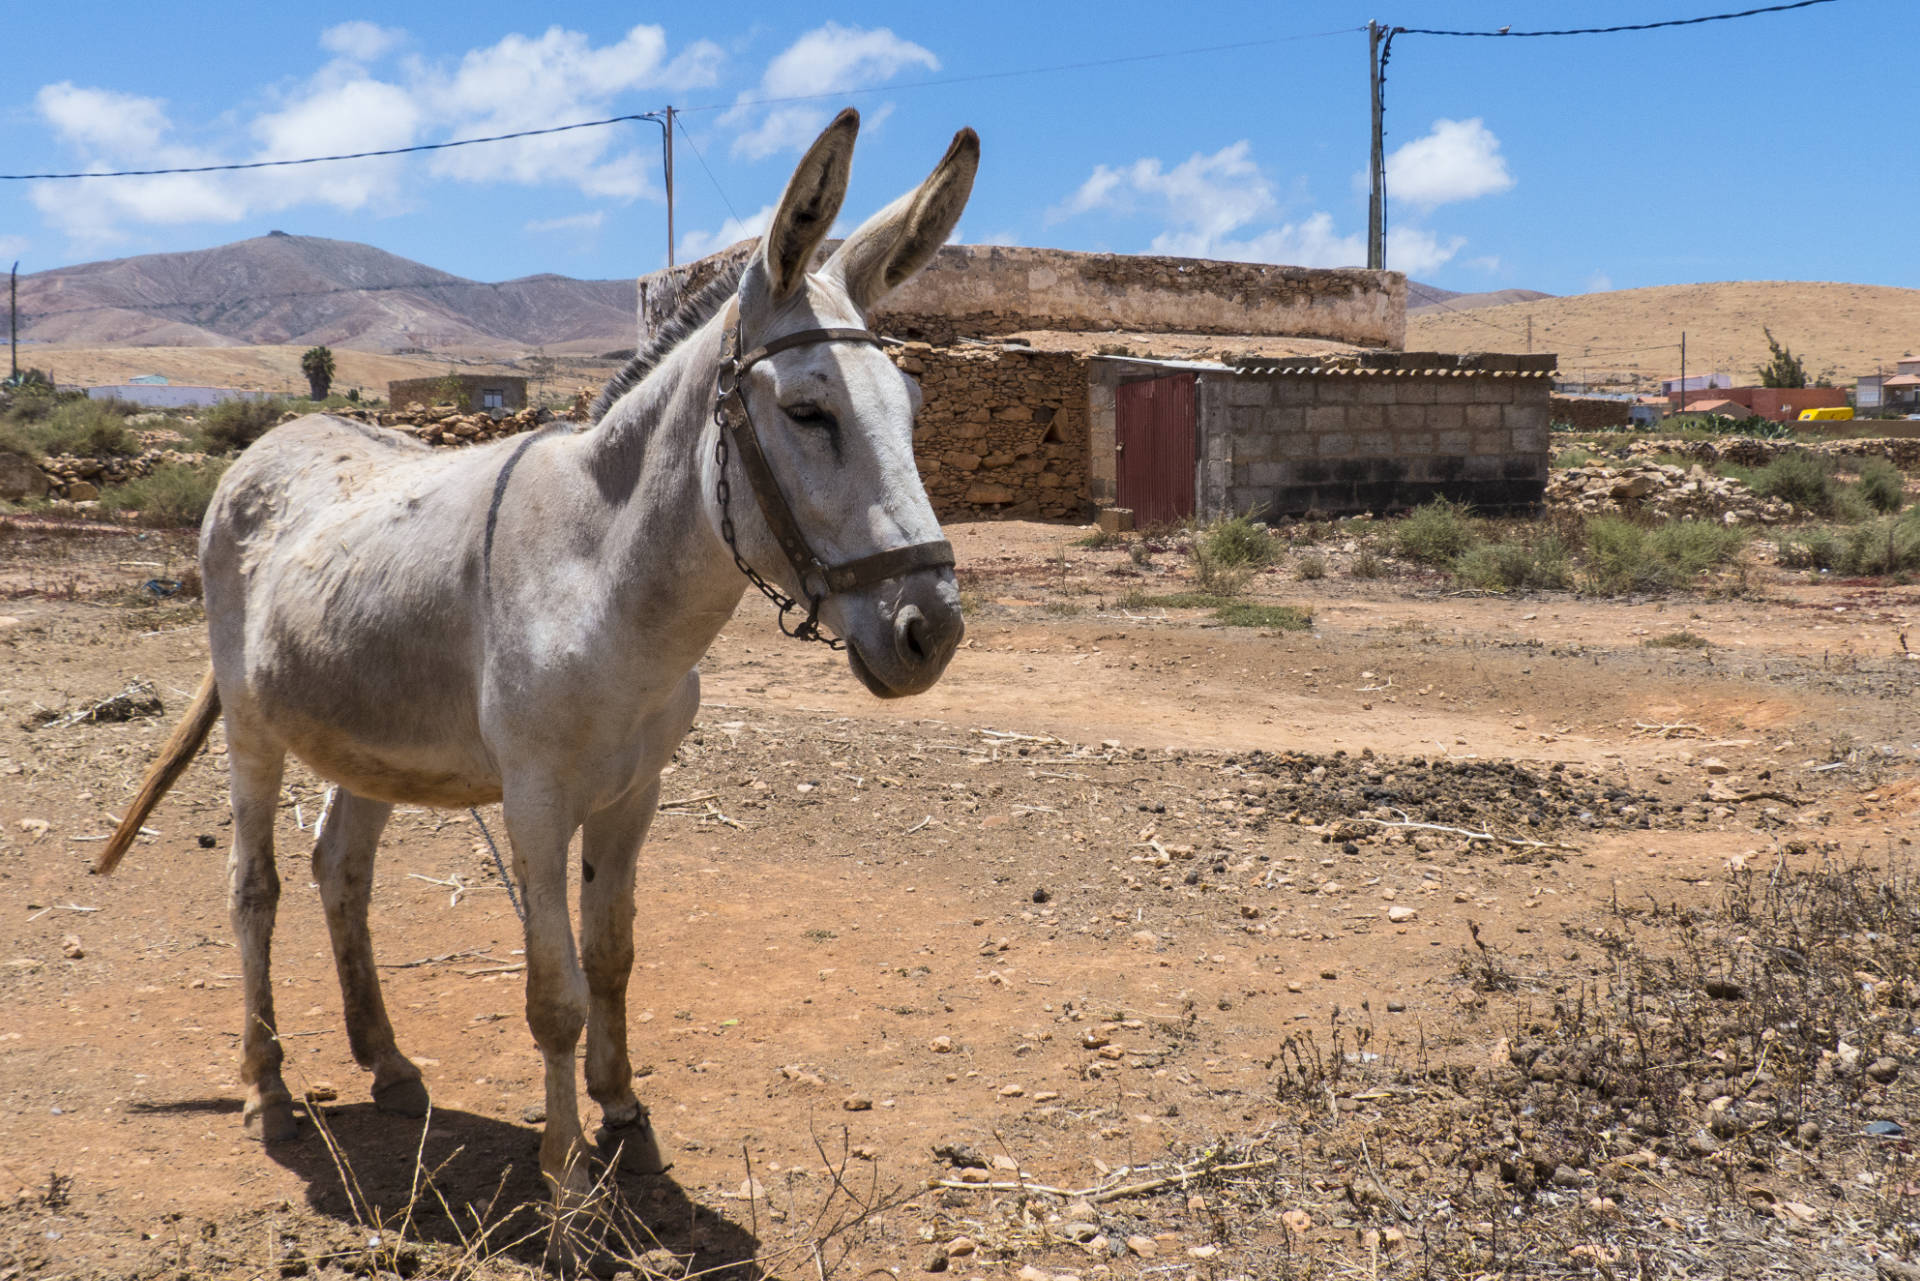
(902, 238)
(810, 204)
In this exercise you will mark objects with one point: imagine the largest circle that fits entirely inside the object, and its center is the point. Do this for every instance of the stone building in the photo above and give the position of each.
(472, 393)
(1058, 383)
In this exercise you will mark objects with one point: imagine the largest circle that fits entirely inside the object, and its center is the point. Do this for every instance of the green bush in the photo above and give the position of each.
(1887, 546)
(232, 425)
(173, 495)
(1802, 479)
(1311, 566)
(1522, 564)
(1226, 553)
(1435, 533)
(1624, 557)
(1573, 456)
(1816, 548)
(38, 426)
(1882, 485)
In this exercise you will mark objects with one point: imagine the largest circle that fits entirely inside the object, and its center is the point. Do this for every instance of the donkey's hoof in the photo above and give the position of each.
(404, 1097)
(633, 1145)
(272, 1121)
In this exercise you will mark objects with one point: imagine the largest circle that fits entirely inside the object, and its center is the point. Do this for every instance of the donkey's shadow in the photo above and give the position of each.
(473, 1183)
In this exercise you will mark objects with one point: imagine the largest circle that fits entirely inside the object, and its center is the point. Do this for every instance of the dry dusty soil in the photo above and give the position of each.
(1455, 936)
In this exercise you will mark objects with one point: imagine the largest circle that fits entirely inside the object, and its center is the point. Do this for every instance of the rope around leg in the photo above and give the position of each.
(506, 879)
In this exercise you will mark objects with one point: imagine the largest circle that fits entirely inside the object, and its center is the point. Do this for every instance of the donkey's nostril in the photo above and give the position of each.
(910, 635)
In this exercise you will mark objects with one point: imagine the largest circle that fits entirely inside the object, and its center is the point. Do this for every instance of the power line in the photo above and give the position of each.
(710, 178)
(1028, 71)
(1603, 31)
(351, 155)
(1462, 312)
(655, 116)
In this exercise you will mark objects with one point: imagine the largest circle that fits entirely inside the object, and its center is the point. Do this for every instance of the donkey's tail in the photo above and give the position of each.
(188, 735)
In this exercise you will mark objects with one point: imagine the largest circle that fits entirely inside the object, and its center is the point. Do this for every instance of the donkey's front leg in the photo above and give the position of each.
(610, 844)
(540, 825)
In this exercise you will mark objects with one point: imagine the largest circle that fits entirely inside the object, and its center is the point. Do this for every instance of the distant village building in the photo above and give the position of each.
(1781, 404)
(155, 392)
(473, 393)
(1674, 384)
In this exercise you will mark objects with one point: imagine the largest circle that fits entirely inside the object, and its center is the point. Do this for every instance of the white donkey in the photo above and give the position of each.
(521, 623)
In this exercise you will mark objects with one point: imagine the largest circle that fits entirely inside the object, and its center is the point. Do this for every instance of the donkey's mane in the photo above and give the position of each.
(686, 319)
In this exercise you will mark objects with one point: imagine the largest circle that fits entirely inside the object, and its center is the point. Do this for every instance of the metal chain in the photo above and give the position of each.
(809, 627)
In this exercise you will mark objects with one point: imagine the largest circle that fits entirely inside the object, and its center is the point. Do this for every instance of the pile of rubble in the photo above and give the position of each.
(1663, 491)
(80, 480)
(448, 425)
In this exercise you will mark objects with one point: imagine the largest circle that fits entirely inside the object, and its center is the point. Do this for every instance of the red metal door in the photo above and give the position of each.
(1153, 437)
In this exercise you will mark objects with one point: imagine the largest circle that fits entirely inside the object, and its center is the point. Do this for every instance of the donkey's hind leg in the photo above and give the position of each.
(343, 867)
(256, 761)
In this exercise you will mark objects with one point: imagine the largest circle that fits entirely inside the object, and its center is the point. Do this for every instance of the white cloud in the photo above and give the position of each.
(12, 247)
(828, 59)
(698, 244)
(572, 222)
(1599, 283)
(519, 82)
(1457, 160)
(1223, 206)
(1489, 263)
(524, 82)
(102, 119)
(361, 40)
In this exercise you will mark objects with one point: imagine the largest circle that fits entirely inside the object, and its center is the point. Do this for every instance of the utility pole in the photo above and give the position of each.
(1529, 334)
(1377, 204)
(13, 320)
(1683, 371)
(669, 141)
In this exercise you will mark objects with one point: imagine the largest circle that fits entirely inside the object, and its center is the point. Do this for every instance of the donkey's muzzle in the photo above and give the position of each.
(908, 652)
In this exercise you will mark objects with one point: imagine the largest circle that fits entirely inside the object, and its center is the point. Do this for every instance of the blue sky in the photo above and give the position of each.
(1775, 147)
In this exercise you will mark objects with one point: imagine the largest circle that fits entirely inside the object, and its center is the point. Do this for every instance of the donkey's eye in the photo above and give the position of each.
(809, 414)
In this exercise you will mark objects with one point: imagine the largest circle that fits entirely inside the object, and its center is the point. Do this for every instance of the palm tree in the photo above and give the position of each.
(317, 364)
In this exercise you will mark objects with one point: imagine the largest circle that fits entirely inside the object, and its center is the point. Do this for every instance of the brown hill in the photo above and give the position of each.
(279, 289)
(1631, 337)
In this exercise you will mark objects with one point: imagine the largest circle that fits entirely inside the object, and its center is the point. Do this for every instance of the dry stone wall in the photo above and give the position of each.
(992, 290)
(1002, 430)
(1589, 413)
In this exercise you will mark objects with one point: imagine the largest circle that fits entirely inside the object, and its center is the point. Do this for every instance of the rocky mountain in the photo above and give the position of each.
(306, 290)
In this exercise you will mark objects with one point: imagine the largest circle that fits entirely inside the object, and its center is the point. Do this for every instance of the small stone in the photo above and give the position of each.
(1042, 895)
(961, 1247)
(1396, 1007)
(858, 1103)
(1143, 938)
(941, 1045)
(1700, 1143)
(1882, 1069)
(1808, 1134)
(535, 1114)
(1012, 1091)
(1714, 765)
(1031, 1273)
(1145, 1247)
(936, 1260)
(1329, 975)
(1079, 1231)
(1400, 915)
(71, 949)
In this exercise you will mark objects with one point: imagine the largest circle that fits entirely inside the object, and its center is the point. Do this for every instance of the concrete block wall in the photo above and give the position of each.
(1353, 441)
(1002, 430)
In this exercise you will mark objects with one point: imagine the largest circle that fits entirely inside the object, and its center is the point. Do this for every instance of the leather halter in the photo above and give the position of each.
(818, 578)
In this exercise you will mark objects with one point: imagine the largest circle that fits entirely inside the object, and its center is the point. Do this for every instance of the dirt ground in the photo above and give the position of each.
(1140, 946)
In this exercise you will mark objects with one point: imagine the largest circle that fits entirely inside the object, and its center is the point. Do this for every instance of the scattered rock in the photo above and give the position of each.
(1882, 1069)
(1400, 915)
(71, 949)
(858, 1103)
